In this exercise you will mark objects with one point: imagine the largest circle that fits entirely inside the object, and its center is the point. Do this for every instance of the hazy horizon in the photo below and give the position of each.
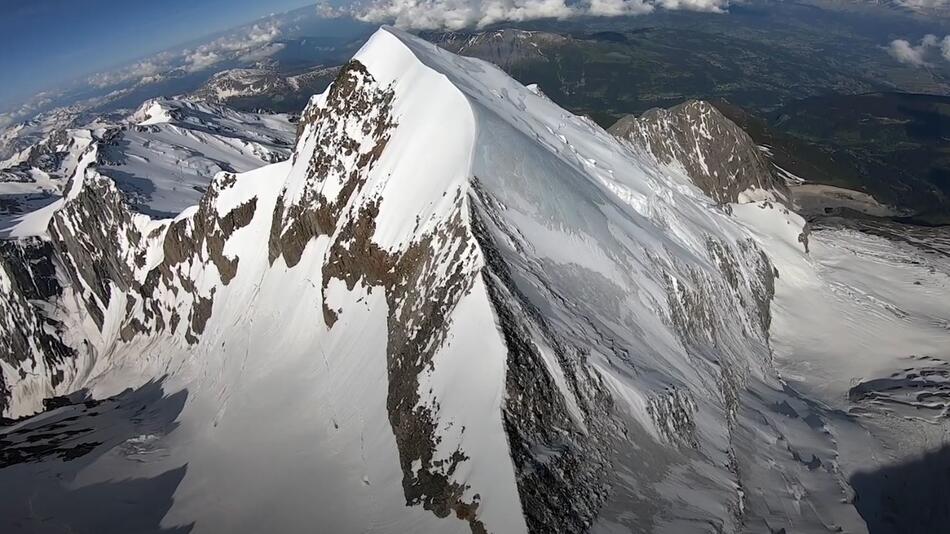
(49, 44)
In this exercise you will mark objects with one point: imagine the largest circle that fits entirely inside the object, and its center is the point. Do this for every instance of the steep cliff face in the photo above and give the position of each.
(31, 348)
(101, 274)
(455, 308)
(717, 154)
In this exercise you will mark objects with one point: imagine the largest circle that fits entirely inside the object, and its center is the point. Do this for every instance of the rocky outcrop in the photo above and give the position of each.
(351, 129)
(562, 463)
(30, 338)
(96, 254)
(420, 299)
(720, 158)
(94, 237)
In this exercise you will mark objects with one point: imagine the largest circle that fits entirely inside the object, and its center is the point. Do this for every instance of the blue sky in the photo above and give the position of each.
(44, 43)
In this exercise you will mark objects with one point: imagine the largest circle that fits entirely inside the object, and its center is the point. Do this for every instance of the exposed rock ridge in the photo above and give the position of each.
(345, 135)
(423, 284)
(347, 132)
(30, 339)
(562, 463)
(128, 274)
(720, 158)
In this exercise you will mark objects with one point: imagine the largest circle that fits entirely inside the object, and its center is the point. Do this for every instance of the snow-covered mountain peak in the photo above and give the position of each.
(451, 104)
(153, 112)
(455, 308)
(445, 182)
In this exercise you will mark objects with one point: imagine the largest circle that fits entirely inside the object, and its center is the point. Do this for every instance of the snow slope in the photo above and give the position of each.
(162, 157)
(860, 324)
(455, 308)
(165, 160)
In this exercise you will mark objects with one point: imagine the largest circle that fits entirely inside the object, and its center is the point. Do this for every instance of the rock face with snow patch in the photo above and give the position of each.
(505, 47)
(455, 308)
(716, 153)
(237, 83)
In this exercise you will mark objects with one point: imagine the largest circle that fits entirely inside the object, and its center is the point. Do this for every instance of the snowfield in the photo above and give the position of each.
(162, 157)
(456, 307)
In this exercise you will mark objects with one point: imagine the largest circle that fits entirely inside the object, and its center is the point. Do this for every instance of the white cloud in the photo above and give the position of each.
(904, 52)
(256, 43)
(328, 11)
(201, 59)
(617, 8)
(257, 35)
(460, 14)
(519, 10)
(919, 5)
(249, 44)
(917, 55)
(138, 71)
(711, 6)
(266, 51)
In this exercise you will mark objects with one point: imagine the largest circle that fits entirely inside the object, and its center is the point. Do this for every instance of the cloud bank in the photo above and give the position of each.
(462, 14)
(923, 4)
(141, 70)
(28, 108)
(252, 43)
(917, 55)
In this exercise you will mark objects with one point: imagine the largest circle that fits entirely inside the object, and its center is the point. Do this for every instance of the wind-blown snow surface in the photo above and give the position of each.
(456, 308)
